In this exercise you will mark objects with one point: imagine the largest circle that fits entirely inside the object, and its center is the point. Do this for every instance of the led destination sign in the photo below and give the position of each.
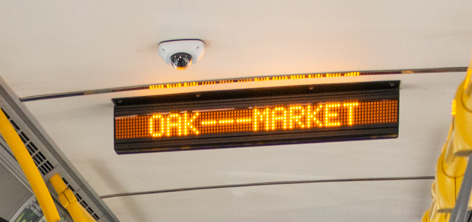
(266, 116)
(270, 118)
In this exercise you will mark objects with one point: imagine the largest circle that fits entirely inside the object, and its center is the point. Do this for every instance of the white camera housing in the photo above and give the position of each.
(191, 50)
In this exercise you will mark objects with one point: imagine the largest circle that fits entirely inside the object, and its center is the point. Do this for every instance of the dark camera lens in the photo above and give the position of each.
(181, 61)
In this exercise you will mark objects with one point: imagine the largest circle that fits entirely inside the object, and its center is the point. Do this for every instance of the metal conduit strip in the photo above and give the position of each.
(244, 79)
(267, 184)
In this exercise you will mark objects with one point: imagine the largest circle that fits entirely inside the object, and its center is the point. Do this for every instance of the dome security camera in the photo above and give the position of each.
(181, 53)
(181, 61)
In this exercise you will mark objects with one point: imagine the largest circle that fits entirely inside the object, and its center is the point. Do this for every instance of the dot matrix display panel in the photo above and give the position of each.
(254, 117)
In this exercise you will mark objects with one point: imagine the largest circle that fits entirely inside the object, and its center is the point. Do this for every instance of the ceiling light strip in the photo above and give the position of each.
(243, 80)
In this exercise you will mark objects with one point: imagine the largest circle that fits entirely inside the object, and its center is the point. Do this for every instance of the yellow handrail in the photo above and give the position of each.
(69, 201)
(29, 168)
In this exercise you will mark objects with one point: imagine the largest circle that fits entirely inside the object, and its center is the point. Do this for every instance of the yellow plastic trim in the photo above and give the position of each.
(445, 195)
(432, 215)
(433, 190)
(440, 217)
(448, 180)
(29, 168)
(467, 99)
(462, 132)
(467, 86)
(452, 162)
(453, 166)
(425, 217)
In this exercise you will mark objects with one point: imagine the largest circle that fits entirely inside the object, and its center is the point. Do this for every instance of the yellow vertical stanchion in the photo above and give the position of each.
(29, 168)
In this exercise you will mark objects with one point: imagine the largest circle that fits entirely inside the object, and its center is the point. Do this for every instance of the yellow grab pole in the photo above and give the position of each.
(88, 217)
(29, 168)
(69, 201)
